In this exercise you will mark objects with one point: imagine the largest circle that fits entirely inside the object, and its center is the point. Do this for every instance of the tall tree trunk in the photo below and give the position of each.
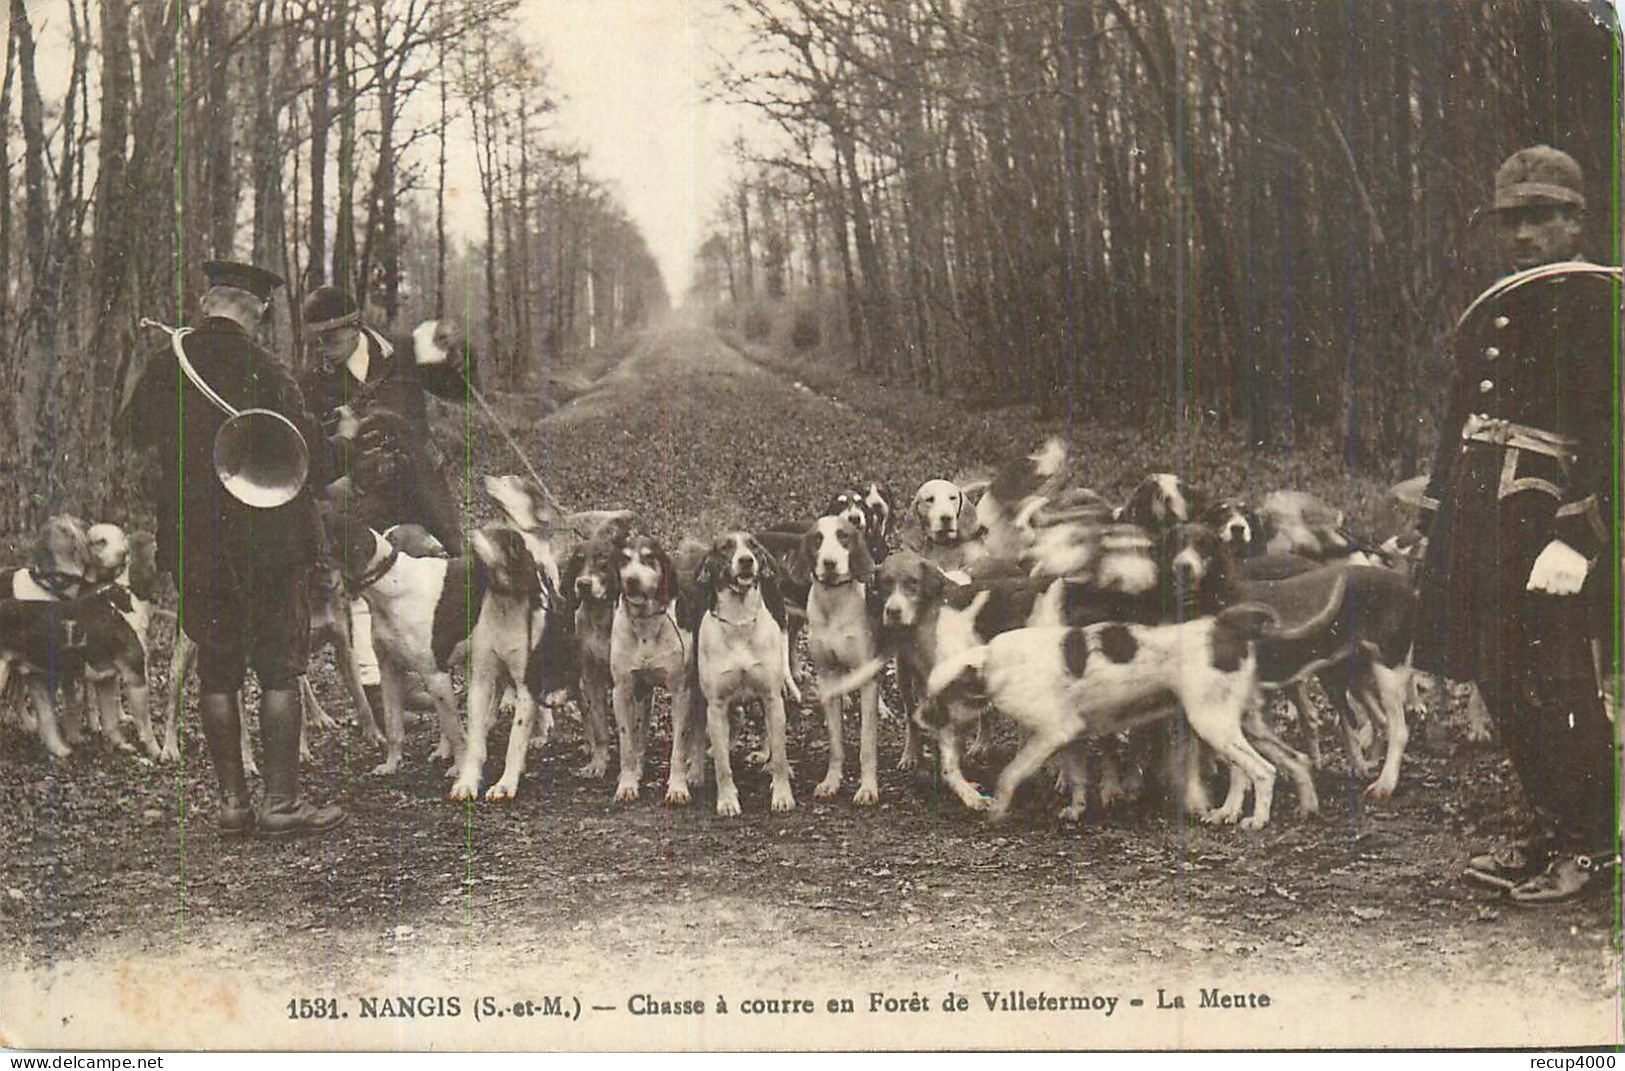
(112, 335)
(33, 400)
(322, 48)
(266, 153)
(219, 181)
(344, 250)
(440, 194)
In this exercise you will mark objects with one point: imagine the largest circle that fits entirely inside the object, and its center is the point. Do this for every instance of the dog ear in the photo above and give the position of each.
(768, 565)
(667, 577)
(571, 569)
(931, 582)
(711, 568)
(888, 510)
(863, 564)
(916, 509)
(769, 581)
(143, 564)
(799, 565)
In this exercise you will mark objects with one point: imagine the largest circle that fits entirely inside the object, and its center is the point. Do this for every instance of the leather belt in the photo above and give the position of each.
(1483, 429)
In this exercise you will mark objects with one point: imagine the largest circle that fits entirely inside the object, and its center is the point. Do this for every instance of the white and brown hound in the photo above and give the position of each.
(1061, 683)
(834, 559)
(1296, 522)
(330, 624)
(129, 561)
(744, 655)
(421, 621)
(941, 524)
(652, 645)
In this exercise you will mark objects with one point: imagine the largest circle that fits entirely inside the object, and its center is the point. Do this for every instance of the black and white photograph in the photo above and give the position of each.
(862, 525)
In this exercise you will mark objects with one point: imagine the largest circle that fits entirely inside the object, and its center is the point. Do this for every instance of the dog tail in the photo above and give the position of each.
(854, 679)
(972, 660)
(1251, 619)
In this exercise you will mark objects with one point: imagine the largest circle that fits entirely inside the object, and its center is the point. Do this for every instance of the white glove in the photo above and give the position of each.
(349, 426)
(1560, 570)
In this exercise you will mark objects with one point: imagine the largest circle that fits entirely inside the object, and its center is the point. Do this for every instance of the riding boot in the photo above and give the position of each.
(284, 813)
(222, 728)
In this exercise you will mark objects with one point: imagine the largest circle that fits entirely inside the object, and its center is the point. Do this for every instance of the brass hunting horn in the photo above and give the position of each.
(259, 455)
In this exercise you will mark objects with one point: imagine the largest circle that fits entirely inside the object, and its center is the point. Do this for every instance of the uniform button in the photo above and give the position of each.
(1486, 385)
(1501, 322)
(1492, 352)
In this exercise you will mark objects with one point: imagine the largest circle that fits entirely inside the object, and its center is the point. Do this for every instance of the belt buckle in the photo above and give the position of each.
(1480, 428)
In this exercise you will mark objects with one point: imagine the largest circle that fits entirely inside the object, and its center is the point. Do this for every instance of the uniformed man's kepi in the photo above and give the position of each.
(1539, 175)
(255, 280)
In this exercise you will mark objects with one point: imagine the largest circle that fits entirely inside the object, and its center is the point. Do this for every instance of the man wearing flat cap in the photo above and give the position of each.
(1522, 568)
(241, 569)
(367, 391)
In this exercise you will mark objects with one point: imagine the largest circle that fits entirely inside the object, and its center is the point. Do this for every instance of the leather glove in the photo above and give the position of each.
(1560, 570)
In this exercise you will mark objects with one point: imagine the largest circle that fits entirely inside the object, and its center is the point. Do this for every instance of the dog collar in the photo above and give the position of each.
(632, 611)
(736, 624)
(837, 584)
(61, 585)
(374, 573)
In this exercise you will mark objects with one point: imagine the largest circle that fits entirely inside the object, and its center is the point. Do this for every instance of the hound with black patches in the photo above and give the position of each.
(55, 571)
(53, 641)
(1350, 626)
(881, 505)
(652, 645)
(334, 621)
(1161, 501)
(1062, 683)
(422, 619)
(833, 559)
(1237, 525)
(130, 562)
(1008, 512)
(744, 656)
(592, 585)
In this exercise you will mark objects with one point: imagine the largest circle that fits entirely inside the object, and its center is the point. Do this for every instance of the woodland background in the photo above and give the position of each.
(1250, 218)
(1243, 217)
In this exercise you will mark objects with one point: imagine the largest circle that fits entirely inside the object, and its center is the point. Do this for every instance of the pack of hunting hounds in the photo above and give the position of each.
(1131, 644)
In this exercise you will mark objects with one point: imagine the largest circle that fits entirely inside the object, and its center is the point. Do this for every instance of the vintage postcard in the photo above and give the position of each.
(810, 524)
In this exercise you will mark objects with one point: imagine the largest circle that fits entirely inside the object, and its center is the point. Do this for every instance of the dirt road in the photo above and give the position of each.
(120, 905)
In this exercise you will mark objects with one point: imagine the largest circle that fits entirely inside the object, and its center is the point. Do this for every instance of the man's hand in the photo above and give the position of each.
(349, 425)
(1560, 570)
(442, 343)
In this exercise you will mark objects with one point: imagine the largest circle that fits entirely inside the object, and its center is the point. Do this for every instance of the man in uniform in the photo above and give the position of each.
(241, 570)
(1519, 581)
(368, 393)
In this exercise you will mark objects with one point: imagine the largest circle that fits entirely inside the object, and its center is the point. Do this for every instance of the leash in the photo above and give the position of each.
(667, 612)
(507, 437)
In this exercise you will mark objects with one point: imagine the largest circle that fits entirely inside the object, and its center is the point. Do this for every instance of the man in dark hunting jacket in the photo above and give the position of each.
(1522, 570)
(367, 390)
(241, 570)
